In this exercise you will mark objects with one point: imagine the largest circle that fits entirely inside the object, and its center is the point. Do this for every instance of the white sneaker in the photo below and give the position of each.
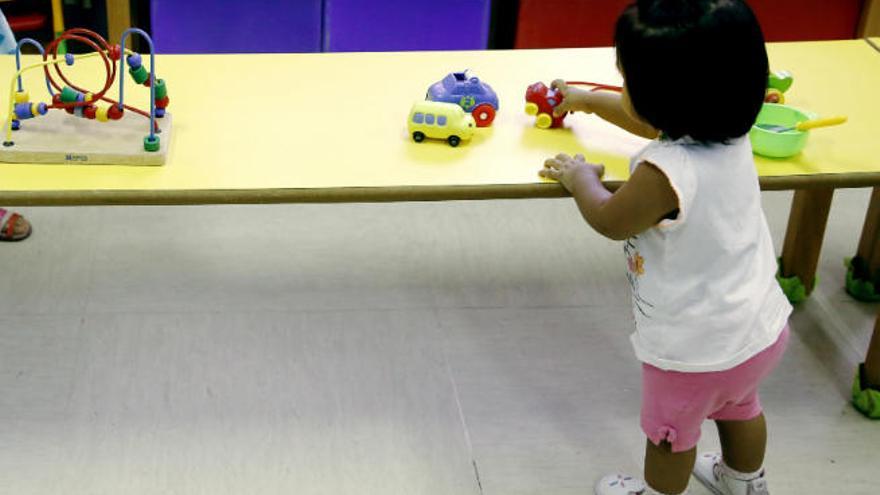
(711, 472)
(619, 484)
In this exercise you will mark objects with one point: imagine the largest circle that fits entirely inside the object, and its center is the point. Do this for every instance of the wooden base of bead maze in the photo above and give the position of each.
(60, 138)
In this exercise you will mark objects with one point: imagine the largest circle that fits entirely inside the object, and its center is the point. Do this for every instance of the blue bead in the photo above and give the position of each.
(16, 125)
(134, 60)
(69, 58)
(23, 111)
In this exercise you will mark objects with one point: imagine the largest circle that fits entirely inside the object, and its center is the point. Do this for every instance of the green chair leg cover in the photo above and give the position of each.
(865, 399)
(859, 289)
(792, 287)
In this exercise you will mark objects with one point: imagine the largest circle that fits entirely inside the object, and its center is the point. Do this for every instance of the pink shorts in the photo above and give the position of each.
(674, 404)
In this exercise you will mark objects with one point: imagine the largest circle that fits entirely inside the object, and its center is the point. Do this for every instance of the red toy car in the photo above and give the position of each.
(540, 102)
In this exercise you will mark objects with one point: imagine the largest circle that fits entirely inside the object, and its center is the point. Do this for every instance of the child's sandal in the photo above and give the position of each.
(11, 229)
(619, 484)
(866, 399)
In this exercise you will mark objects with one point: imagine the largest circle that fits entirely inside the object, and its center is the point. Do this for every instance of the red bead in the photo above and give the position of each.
(115, 52)
(148, 82)
(89, 112)
(69, 110)
(114, 112)
(162, 102)
(56, 99)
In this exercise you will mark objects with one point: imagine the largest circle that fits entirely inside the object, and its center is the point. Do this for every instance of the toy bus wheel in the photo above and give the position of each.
(454, 141)
(484, 114)
(418, 137)
(544, 121)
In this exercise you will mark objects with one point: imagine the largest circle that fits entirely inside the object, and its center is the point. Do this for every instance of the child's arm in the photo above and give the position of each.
(604, 104)
(644, 200)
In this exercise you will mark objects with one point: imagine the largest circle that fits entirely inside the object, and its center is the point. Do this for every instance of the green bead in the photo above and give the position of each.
(140, 74)
(68, 94)
(151, 144)
(161, 90)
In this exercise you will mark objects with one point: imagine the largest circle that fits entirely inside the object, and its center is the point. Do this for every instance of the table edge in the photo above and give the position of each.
(374, 194)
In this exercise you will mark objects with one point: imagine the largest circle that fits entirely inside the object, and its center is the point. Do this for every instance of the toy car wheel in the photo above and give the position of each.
(454, 140)
(544, 121)
(531, 109)
(774, 96)
(484, 114)
(418, 137)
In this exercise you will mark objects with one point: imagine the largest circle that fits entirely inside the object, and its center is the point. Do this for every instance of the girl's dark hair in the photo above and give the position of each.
(693, 68)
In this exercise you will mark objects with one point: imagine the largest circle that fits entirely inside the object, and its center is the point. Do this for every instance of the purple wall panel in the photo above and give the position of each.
(389, 25)
(236, 26)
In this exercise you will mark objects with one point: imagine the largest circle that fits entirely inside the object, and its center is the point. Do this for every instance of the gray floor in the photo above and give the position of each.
(448, 348)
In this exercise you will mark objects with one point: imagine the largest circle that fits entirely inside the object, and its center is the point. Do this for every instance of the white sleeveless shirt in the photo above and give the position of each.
(705, 295)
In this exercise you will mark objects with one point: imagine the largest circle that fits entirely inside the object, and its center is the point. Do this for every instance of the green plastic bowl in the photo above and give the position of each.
(779, 144)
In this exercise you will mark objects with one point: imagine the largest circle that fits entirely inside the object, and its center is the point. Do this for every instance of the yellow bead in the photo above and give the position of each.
(101, 114)
(89, 97)
(34, 109)
(22, 97)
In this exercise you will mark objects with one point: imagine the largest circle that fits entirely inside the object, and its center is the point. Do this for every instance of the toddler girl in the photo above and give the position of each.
(711, 321)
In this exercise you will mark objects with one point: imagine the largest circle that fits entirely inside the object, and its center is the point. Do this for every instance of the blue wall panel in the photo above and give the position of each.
(389, 25)
(236, 26)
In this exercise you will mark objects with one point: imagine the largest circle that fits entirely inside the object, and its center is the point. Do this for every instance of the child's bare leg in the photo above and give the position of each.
(743, 443)
(872, 360)
(667, 471)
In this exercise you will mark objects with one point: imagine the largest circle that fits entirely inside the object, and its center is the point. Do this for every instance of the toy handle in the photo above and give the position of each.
(596, 86)
(812, 124)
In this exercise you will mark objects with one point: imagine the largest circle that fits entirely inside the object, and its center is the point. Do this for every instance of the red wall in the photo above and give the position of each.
(571, 23)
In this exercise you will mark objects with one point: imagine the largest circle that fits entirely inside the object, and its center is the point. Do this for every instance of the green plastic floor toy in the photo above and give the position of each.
(865, 399)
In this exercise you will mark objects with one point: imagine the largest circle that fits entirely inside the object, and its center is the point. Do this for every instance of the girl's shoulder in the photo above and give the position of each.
(689, 150)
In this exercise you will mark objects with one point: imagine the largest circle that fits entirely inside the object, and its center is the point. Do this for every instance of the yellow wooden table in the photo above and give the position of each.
(331, 127)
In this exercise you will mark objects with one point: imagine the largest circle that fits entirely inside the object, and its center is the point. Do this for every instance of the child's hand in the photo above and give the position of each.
(568, 170)
(573, 99)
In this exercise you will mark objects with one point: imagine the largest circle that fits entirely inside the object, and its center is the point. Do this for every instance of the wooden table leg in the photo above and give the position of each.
(864, 270)
(803, 238)
(118, 20)
(869, 24)
(872, 357)
(869, 243)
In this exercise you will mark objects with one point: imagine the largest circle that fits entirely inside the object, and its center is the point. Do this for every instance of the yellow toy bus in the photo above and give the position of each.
(438, 120)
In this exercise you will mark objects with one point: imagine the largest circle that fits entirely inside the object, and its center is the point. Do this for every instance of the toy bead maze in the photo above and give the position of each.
(78, 126)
